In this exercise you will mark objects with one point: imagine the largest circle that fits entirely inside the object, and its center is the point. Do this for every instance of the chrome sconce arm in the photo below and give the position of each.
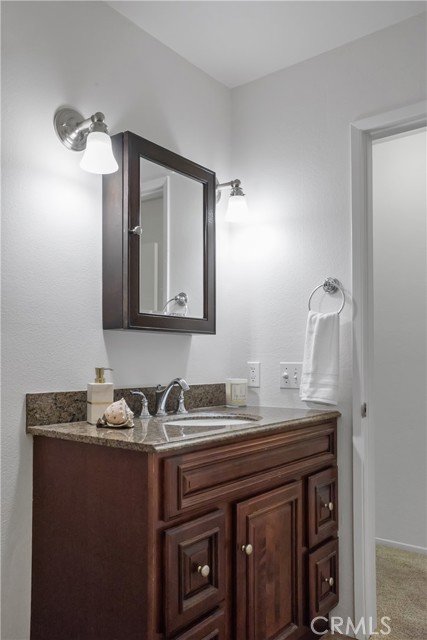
(72, 129)
(236, 189)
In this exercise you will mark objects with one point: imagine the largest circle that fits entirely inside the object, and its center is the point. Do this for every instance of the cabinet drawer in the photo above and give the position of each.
(322, 506)
(195, 479)
(212, 628)
(194, 577)
(323, 579)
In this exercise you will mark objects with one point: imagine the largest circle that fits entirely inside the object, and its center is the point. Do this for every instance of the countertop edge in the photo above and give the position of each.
(112, 437)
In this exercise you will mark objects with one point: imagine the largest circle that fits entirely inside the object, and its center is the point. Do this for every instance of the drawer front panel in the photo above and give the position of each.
(213, 628)
(323, 579)
(194, 580)
(322, 506)
(194, 479)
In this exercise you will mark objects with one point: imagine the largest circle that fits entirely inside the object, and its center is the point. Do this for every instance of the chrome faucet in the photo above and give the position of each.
(162, 394)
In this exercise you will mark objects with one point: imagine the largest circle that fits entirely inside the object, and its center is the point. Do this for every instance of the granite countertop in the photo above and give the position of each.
(153, 434)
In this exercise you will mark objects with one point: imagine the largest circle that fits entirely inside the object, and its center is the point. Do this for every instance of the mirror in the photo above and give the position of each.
(158, 240)
(170, 242)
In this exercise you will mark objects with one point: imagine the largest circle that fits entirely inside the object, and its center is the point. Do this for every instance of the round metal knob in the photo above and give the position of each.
(247, 548)
(137, 231)
(330, 581)
(329, 505)
(204, 570)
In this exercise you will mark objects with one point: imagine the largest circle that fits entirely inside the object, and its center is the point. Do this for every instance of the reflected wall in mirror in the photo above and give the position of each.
(158, 240)
(170, 242)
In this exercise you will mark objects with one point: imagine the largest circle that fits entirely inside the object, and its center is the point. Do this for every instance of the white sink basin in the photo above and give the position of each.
(207, 422)
(210, 420)
(203, 424)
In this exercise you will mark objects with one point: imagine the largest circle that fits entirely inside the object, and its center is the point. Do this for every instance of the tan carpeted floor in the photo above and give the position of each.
(402, 593)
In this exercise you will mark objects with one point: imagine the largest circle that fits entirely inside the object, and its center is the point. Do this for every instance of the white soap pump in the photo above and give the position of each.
(100, 395)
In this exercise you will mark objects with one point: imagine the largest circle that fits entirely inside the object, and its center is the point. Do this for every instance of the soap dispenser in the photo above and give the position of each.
(100, 395)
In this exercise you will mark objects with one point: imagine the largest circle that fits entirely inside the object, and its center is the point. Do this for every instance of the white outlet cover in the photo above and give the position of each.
(254, 374)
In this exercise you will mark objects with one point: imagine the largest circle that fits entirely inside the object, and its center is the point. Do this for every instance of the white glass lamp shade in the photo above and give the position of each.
(237, 209)
(98, 157)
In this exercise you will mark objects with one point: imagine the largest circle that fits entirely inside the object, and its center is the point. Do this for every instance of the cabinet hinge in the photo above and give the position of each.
(364, 410)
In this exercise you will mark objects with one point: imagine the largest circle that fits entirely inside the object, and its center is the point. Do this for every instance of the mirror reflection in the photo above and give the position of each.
(171, 242)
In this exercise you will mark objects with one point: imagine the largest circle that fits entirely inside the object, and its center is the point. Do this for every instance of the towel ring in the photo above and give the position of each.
(330, 285)
(181, 299)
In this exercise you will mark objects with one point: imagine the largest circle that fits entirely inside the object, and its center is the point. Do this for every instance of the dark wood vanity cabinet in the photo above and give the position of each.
(232, 541)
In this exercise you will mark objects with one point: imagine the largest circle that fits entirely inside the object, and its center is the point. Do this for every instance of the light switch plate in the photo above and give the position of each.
(290, 375)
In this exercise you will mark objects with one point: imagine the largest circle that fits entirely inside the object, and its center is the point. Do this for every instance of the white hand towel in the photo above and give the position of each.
(319, 379)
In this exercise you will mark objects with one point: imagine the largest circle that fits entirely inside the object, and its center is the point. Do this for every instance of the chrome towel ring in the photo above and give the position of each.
(180, 299)
(330, 285)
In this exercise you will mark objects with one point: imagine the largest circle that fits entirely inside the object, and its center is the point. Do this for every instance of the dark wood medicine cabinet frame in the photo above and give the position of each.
(120, 259)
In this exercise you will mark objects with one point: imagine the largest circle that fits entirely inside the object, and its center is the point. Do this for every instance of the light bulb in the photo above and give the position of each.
(237, 209)
(98, 157)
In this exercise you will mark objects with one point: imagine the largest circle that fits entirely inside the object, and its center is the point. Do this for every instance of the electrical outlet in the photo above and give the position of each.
(290, 375)
(253, 374)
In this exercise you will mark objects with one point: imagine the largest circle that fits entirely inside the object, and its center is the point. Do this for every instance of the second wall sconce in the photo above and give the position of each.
(91, 135)
(237, 206)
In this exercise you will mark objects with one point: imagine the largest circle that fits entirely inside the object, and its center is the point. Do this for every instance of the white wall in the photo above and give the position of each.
(186, 243)
(400, 297)
(90, 57)
(291, 151)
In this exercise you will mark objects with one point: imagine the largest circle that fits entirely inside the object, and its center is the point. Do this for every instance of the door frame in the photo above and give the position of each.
(362, 133)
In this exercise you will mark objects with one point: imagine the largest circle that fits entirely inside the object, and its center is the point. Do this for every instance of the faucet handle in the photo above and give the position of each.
(181, 406)
(144, 410)
(159, 394)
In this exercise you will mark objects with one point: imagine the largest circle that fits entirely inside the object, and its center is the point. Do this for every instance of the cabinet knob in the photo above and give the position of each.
(247, 548)
(204, 570)
(329, 505)
(330, 581)
(137, 231)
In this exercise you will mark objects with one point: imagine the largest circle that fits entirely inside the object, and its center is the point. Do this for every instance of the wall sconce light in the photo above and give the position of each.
(237, 206)
(90, 135)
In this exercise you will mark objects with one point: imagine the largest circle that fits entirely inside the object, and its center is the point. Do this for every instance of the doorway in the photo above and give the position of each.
(363, 134)
(398, 405)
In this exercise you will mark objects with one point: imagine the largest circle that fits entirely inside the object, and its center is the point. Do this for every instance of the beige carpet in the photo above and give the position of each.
(402, 593)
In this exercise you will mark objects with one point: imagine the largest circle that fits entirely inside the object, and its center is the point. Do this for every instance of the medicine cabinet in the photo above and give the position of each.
(158, 240)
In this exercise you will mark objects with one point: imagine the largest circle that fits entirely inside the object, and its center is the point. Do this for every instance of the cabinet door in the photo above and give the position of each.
(268, 565)
(194, 581)
(322, 506)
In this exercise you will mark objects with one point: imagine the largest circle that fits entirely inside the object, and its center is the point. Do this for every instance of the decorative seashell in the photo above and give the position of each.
(118, 414)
